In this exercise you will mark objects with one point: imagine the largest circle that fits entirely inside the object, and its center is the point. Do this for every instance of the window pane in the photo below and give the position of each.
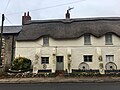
(87, 39)
(108, 38)
(44, 60)
(109, 58)
(87, 58)
(45, 41)
(59, 58)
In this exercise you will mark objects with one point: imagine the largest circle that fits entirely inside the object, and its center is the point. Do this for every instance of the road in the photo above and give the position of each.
(62, 86)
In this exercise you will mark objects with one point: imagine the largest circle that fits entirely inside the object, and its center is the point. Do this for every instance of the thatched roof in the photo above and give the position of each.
(69, 28)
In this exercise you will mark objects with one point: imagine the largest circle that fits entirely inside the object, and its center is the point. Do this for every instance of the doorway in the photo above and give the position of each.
(59, 63)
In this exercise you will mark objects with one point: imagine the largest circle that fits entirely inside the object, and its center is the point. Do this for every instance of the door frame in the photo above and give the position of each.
(59, 63)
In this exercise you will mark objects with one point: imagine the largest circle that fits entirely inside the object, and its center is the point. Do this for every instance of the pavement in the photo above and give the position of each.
(61, 80)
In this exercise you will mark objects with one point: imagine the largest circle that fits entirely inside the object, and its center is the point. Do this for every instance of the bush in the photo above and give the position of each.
(21, 63)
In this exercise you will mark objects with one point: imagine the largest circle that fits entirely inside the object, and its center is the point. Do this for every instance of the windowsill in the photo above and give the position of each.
(45, 46)
(109, 44)
(87, 44)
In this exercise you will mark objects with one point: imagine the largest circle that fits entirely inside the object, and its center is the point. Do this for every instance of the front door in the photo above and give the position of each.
(59, 63)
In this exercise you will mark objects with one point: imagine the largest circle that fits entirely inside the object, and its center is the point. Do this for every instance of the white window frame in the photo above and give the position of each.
(45, 41)
(87, 39)
(109, 58)
(89, 58)
(44, 60)
(108, 39)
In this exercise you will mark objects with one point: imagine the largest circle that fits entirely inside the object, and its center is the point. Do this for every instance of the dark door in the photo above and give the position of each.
(59, 63)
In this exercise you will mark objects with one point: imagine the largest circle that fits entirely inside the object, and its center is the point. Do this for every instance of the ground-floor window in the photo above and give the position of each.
(87, 58)
(44, 60)
(109, 58)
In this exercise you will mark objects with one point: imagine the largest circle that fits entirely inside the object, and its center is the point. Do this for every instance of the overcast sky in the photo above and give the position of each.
(56, 9)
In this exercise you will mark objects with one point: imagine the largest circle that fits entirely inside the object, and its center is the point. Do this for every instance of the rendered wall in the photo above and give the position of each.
(74, 48)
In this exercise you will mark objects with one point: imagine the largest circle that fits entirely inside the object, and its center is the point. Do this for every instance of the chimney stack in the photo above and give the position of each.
(25, 18)
(67, 15)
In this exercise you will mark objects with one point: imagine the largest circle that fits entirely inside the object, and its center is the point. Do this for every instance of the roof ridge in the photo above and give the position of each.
(73, 20)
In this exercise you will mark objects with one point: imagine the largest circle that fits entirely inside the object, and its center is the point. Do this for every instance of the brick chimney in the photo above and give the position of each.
(67, 15)
(25, 18)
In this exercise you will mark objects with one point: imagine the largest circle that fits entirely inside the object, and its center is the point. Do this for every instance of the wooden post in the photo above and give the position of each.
(1, 35)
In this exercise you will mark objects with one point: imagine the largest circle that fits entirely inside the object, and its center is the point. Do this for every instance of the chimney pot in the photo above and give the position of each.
(24, 13)
(28, 13)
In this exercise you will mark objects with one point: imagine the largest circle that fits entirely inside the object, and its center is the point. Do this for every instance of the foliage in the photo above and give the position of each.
(21, 63)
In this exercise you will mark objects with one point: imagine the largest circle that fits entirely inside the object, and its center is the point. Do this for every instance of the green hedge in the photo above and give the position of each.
(21, 63)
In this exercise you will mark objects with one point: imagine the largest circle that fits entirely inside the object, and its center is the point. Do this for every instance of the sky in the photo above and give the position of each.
(56, 9)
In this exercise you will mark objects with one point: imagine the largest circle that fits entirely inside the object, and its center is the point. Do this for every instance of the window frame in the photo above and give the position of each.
(89, 58)
(44, 60)
(109, 57)
(45, 41)
(87, 39)
(108, 39)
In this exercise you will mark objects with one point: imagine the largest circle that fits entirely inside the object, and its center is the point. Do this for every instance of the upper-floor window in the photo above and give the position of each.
(87, 58)
(45, 41)
(87, 39)
(109, 58)
(108, 39)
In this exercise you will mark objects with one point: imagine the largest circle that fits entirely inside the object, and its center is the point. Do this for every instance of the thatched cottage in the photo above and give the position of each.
(70, 44)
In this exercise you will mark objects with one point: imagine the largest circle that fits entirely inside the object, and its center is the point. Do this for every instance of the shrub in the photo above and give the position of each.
(21, 63)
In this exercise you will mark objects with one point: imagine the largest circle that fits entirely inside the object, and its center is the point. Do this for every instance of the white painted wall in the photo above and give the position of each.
(74, 47)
